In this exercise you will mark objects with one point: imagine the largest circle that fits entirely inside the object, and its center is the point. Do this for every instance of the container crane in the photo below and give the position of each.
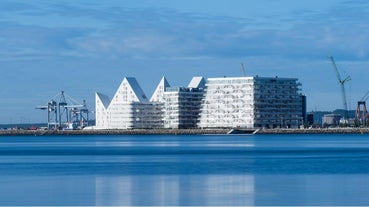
(65, 114)
(362, 115)
(342, 85)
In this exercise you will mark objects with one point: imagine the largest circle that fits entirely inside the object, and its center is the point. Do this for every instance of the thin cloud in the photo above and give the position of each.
(156, 33)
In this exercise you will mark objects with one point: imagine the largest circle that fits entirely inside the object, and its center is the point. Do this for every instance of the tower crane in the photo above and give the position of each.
(243, 70)
(342, 84)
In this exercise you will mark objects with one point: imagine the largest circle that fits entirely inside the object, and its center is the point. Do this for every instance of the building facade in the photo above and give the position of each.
(182, 104)
(278, 103)
(128, 109)
(229, 102)
(251, 102)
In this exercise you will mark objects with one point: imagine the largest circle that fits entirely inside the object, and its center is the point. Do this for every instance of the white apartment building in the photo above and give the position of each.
(157, 100)
(182, 104)
(249, 102)
(229, 102)
(128, 109)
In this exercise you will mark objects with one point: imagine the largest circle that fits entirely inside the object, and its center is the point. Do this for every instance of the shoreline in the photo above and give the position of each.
(316, 131)
(182, 132)
(113, 132)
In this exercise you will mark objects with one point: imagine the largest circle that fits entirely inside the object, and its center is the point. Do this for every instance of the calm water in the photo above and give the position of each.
(185, 170)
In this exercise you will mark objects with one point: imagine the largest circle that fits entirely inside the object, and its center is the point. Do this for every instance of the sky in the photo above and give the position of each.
(88, 46)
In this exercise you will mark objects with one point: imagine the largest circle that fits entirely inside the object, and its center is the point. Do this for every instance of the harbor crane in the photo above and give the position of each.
(65, 114)
(243, 70)
(342, 85)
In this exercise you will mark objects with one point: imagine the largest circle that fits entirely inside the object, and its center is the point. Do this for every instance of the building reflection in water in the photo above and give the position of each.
(175, 190)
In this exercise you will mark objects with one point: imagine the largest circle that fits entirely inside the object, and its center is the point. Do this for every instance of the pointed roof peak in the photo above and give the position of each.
(104, 99)
(158, 94)
(136, 89)
(164, 81)
(129, 91)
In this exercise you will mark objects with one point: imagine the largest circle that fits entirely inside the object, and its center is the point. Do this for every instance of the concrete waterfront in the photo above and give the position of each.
(112, 132)
(347, 130)
(20, 132)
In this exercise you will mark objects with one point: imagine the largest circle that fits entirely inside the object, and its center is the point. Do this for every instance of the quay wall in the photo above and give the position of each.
(113, 132)
(180, 132)
(315, 131)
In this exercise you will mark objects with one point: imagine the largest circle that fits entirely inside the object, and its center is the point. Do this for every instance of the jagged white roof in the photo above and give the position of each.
(137, 89)
(197, 82)
(158, 95)
(129, 91)
(104, 99)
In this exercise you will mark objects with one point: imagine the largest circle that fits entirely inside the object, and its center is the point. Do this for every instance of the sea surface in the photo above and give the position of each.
(198, 170)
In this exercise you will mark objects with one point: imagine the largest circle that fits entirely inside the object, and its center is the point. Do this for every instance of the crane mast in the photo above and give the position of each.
(342, 84)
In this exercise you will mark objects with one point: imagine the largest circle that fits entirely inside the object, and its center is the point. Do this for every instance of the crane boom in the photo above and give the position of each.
(335, 69)
(365, 97)
(342, 84)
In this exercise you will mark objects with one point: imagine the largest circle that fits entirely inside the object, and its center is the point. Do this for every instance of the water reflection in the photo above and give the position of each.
(312, 190)
(185, 170)
(185, 190)
(35, 190)
(175, 190)
(230, 190)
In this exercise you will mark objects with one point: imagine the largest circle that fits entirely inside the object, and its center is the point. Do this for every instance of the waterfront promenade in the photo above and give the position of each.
(181, 131)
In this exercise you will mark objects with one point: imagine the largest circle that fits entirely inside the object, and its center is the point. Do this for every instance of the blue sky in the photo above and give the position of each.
(88, 46)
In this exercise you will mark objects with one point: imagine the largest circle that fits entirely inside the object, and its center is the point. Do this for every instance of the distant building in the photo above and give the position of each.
(310, 119)
(331, 119)
(304, 110)
(318, 115)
